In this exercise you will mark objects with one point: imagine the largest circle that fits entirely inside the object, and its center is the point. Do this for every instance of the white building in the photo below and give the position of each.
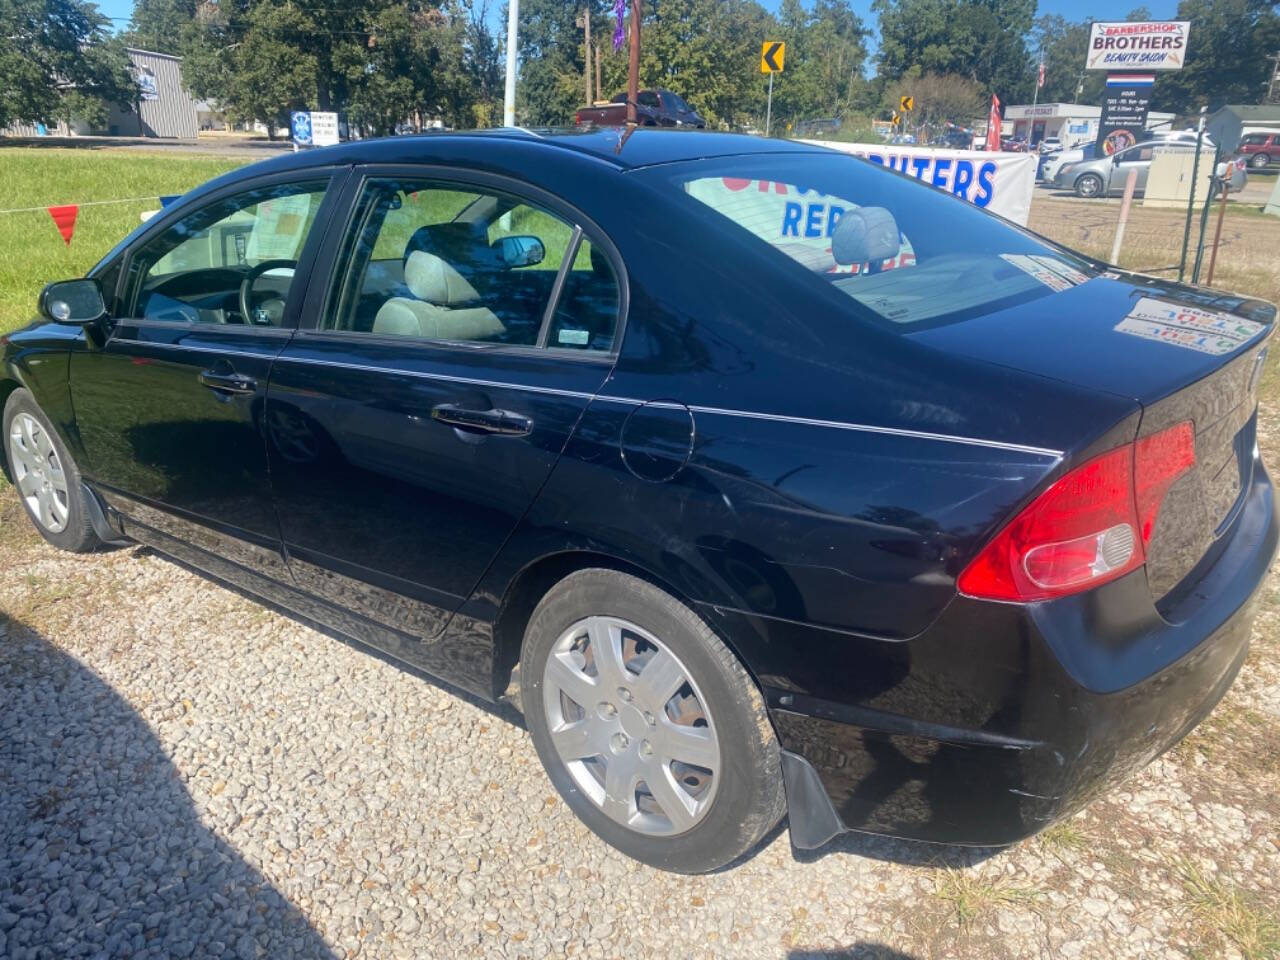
(1072, 123)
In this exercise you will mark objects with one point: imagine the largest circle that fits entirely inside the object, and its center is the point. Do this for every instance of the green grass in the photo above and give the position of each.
(31, 249)
(969, 895)
(1225, 911)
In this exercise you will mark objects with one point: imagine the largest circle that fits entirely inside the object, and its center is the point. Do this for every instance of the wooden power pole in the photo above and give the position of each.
(586, 56)
(633, 68)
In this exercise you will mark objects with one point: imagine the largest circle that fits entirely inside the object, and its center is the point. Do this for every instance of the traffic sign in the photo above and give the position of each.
(907, 103)
(772, 54)
(897, 119)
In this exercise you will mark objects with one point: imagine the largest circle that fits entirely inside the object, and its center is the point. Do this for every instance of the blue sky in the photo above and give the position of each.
(1071, 9)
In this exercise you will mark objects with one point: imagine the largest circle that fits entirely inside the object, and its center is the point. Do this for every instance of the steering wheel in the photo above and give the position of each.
(271, 310)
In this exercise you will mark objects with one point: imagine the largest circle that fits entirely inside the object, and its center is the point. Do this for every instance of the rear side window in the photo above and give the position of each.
(904, 252)
(436, 261)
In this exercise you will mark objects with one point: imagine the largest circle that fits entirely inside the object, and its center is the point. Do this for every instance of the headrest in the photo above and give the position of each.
(431, 279)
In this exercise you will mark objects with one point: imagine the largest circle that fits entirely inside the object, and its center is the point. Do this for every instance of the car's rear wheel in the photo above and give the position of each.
(1089, 186)
(649, 727)
(47, 479)
(1259, 160)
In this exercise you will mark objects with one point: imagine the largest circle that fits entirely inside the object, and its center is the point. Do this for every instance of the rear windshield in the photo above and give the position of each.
(909, 254)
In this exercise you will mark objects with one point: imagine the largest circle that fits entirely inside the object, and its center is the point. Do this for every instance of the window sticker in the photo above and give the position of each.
(1032, 267)
(1205, 331)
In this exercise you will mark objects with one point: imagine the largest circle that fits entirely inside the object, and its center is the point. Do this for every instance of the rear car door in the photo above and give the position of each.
(1135, 158)
(169, 400)
(459, 334)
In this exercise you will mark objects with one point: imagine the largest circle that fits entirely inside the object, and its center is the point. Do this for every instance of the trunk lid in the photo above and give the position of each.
(1182, 353)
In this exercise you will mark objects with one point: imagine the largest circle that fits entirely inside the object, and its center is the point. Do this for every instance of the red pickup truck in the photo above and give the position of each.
(654, 108)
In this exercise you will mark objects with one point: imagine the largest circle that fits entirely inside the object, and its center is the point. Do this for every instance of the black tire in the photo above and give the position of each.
(749, 800)
(1089, 186)
(77, 535)
(1259, 160)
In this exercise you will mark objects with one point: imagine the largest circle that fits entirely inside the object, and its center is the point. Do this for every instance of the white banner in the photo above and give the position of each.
(324, 128)
(1150, 45)
(999, 182)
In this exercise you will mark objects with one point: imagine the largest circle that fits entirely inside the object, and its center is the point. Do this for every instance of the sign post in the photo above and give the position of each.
(772, 57)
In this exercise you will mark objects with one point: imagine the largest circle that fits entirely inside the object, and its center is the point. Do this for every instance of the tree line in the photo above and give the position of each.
(385, 63)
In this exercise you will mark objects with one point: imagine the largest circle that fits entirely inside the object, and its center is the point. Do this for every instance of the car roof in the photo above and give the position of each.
(641, 147)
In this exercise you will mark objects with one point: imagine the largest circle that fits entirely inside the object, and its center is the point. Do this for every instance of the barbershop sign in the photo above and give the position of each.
(1152, 45)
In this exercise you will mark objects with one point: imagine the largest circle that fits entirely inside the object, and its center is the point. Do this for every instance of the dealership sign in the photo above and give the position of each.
(999, 182)
(1149, 45)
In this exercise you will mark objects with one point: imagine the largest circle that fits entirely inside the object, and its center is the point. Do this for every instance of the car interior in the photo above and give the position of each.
(231, 262)
(468, 278)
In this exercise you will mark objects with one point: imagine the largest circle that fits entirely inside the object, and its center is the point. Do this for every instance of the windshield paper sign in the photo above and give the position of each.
(1189, 327)
(1138, 46)
(796, 220)
(999, 182)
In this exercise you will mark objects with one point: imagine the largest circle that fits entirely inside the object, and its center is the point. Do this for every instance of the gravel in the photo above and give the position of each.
(186, 774)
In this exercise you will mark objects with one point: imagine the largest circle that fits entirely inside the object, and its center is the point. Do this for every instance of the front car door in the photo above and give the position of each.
(461, 331)
(1135, 158)
(169, 399)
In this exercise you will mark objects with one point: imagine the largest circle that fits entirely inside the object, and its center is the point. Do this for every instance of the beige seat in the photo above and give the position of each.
(438, 288)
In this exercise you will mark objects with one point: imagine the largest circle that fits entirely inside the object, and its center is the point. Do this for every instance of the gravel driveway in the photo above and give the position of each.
(185, 773)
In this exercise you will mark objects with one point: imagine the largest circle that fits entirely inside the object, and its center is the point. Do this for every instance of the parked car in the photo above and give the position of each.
(1259, 149)
(1016, 144)
(775, 481)
(654, 108)
(1050, 145)
(1055, 162)
(1105, 176)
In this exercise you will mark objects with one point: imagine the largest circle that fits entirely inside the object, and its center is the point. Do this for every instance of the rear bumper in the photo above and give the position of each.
(1002, 718)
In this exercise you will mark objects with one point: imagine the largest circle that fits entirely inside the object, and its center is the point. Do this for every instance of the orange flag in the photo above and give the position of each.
(65, 219)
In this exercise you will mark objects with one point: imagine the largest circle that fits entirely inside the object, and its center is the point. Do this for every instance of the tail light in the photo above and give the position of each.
(1091, 526)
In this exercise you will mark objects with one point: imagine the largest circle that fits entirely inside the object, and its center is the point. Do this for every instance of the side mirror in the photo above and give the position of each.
(74, 302)
(520, 251)
(865, 235)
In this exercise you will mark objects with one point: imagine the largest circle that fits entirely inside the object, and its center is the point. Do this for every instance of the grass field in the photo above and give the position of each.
(31, 249)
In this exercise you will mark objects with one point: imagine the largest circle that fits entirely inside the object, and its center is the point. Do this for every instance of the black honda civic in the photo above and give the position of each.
(764, 479)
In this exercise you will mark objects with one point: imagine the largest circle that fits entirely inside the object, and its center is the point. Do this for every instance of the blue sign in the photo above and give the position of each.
(300, 124)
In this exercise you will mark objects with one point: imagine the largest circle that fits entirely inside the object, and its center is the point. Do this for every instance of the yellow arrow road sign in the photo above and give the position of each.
(907, 103)
(772, 54)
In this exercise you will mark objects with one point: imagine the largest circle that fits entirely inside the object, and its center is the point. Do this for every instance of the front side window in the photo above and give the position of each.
(903, 253)
(229, 262)
(1254, 140)
(435, 261)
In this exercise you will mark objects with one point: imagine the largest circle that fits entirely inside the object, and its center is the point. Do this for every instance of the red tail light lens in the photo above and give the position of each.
(1090, 527)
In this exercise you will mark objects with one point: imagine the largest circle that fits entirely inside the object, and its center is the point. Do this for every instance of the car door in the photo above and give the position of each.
(169, 397)
(460, 332)
(1135, 158)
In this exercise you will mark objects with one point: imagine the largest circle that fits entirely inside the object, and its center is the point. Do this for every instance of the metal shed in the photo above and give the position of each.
(164, 107)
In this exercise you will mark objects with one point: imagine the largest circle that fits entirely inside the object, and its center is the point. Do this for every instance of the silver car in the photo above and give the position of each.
(1105, 176)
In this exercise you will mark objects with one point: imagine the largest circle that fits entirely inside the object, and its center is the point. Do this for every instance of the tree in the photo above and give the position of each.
(159, 25)
(826, 51)
(939, 98)
(984, 40)
(58, 61)
(381, 62)
(1227, 56)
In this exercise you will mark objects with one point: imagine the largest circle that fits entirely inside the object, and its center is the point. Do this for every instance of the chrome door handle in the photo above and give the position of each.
(236, 383)
(501, 422)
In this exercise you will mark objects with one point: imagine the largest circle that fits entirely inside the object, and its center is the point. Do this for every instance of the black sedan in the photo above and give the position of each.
(772, 481)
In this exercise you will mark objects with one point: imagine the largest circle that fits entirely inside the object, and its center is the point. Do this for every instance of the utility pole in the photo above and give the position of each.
(509, 96)
(1275, 79)
(585, 22)
(633, 67)
(599, 69)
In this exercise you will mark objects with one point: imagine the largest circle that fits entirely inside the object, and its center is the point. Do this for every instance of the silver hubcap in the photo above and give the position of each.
(630, 726)
(38, 472)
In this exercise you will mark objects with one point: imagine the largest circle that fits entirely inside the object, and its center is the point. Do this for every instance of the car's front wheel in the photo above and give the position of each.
(47, 479)
(1259, 160)
(1089, 186)
(649, 727)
